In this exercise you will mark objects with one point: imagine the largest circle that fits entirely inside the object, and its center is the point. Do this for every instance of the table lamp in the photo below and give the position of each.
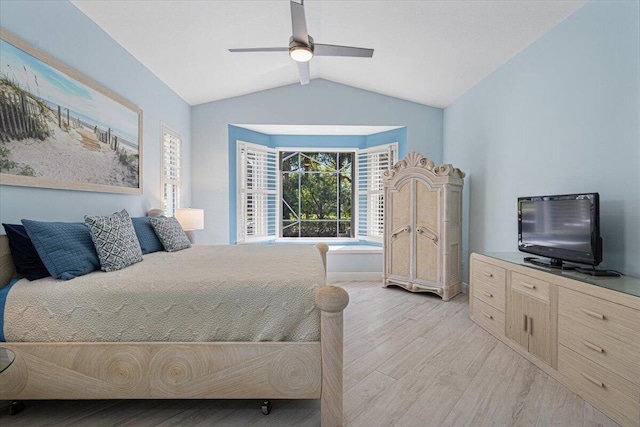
(190, 220)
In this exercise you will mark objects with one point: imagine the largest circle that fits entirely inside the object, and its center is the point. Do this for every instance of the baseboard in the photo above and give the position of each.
(359, 276)
(465, 288)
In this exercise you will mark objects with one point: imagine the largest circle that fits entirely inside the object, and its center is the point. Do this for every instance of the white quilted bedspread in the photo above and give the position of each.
(204, 293)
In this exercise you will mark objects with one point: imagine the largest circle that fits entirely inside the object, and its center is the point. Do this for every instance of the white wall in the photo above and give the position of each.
(561, 117)
(61, 30)
(319, 103)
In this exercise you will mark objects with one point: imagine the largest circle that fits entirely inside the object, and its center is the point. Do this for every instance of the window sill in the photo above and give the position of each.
(309, 240)
(355, 249)
(342, 246)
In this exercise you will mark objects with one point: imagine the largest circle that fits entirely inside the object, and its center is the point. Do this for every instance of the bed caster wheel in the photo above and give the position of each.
(266, 407)
(15, 408)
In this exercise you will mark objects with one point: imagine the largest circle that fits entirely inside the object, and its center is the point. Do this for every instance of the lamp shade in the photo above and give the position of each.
(190, 219)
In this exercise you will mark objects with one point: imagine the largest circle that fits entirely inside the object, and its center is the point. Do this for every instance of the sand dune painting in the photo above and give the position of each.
(59, 129)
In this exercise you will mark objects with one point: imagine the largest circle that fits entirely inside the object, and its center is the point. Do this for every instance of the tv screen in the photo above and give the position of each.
(562, 227)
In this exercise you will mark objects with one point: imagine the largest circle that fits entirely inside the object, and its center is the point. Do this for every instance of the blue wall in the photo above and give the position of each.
(561, 117)
(61, 30)
(321, 102)
(238, 133)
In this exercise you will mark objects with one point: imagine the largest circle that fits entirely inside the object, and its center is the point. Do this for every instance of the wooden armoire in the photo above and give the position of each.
(423, 226)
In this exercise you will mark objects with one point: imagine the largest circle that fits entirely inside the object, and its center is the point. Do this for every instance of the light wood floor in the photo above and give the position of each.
(410, 360)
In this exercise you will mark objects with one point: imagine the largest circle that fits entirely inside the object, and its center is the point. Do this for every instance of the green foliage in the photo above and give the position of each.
(15, 113)
(7, 82)
(5, 163)
(317, 191)
(27, 171)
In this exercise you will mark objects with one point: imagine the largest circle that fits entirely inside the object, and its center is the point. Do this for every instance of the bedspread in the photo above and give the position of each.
(204, 293)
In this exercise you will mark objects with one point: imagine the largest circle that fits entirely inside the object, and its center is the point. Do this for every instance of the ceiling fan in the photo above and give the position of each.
(302, 47)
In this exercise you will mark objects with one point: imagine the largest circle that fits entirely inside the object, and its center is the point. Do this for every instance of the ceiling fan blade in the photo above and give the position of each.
(303, 68)
(261, 49)
(299, 23)
(333, 50)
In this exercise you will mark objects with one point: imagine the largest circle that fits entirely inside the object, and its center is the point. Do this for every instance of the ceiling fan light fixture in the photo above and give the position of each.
(300, 53)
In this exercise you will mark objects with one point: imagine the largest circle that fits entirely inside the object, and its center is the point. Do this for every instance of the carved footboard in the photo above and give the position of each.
(216, 370)
(263, 370)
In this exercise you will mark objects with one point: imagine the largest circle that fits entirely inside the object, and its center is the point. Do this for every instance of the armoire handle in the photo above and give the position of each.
(403, 229)
(430, 234)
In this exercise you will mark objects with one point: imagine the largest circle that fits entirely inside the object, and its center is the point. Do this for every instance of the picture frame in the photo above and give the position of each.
(60, 129)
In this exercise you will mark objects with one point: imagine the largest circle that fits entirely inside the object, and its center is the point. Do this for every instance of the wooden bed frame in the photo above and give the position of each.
(184, 370)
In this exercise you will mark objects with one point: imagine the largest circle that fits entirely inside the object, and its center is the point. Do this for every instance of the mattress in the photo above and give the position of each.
(200, 294)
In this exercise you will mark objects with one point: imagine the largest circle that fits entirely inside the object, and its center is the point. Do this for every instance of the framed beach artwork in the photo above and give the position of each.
(60, 129)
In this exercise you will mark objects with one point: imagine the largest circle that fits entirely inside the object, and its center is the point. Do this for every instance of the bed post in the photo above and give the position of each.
(331, 300)
(7, 269)
(323, 248)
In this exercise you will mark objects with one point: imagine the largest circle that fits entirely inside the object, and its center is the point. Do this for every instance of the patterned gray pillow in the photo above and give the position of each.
(170, 233)
(115, 240)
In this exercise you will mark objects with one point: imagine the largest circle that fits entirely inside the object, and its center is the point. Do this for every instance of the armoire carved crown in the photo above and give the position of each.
(417, 160)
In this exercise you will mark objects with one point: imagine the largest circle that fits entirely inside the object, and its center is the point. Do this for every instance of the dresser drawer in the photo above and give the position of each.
(488, 317)
(489, 273)
(530, 285)
(615, 395)
(490, 292)
(620, 322)
(613, 354)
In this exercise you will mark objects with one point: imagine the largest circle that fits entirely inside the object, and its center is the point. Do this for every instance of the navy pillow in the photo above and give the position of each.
(24, 254)
(148, 239)
(66, 248)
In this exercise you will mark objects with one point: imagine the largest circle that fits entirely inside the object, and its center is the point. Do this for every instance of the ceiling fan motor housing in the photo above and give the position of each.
(300, 51)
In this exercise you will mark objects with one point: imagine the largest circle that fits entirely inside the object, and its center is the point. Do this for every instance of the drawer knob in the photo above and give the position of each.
(593, 346)
(527, 285)
(487, 274)
(488, 294)
(592, 313)
(593, 380)
(487, 315)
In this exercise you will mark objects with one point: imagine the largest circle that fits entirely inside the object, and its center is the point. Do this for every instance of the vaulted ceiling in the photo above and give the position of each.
(429, 52)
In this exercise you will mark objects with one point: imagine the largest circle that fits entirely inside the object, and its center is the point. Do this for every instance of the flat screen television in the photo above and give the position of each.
(562, 228)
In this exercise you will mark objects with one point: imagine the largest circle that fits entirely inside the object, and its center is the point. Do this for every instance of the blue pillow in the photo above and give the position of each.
(170, 233)
(148, 239)
(66, 248)
(24, 254)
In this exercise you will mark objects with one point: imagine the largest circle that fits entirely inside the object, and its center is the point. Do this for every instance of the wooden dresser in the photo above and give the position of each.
(584, 331)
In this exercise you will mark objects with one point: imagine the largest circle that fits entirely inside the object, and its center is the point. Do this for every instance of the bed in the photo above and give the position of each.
(172, 356)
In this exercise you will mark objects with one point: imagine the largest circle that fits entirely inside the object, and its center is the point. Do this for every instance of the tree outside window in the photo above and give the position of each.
(317, 194)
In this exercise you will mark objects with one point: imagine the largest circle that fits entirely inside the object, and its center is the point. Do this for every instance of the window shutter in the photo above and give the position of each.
(257, 192)
(172, 170)
(372, 163)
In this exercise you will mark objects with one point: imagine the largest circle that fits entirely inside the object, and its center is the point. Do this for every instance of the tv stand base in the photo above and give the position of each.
(550, 264)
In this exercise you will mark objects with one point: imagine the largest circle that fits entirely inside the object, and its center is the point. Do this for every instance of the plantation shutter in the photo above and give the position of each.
(257, 192)
(172, 170)
(372, 162)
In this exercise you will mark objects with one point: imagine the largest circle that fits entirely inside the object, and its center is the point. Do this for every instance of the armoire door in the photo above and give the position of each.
(401, 231)
(426, 233)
